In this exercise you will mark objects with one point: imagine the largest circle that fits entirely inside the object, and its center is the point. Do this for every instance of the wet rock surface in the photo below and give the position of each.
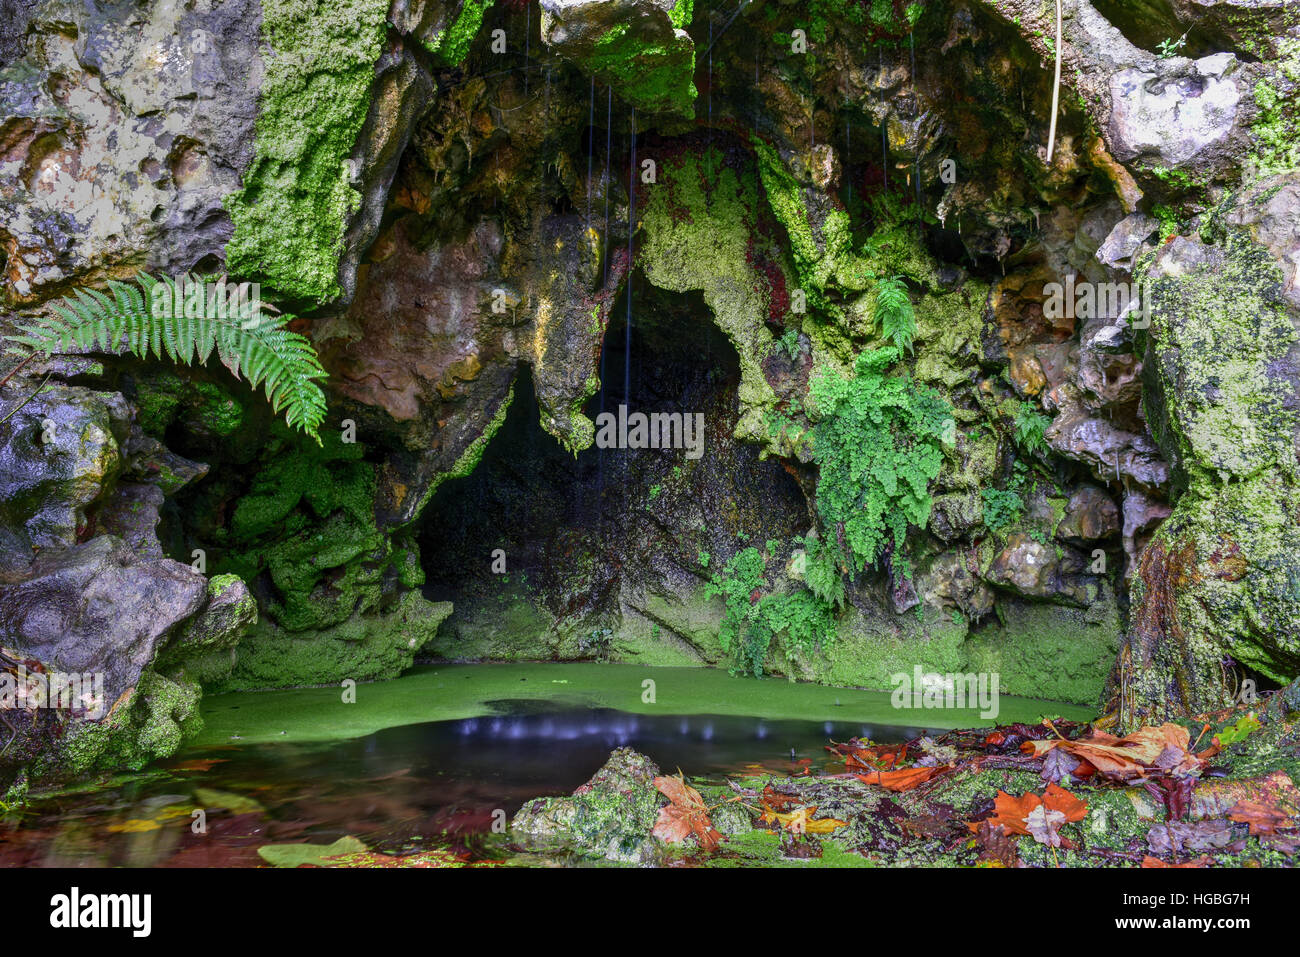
(467, 238)
(611, 816)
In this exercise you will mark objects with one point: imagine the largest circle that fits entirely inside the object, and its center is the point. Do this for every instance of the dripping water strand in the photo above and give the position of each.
(631, 226)
(528, 39)
(600, 451)
(848, 153)
(591, 138)
(916, 105)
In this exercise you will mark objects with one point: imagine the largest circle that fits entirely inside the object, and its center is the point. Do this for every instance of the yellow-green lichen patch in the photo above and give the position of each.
(697, 231)
(291, 213)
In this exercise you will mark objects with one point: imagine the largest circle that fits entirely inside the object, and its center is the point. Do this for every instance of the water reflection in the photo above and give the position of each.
(398, 790)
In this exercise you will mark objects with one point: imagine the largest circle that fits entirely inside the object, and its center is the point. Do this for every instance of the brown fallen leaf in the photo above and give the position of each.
(684, 815)
(995, 844)
(1262, 818)
(1128, 757)
(1181, 837)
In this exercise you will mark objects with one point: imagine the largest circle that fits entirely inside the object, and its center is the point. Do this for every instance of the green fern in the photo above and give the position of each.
(894, 315)
(1030, 428)
(153, 319)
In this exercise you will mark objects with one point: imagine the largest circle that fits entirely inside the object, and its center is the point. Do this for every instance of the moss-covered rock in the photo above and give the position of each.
(611, 816)
(204, 648)
(364, 647)
(639, 47)
(1221, 578)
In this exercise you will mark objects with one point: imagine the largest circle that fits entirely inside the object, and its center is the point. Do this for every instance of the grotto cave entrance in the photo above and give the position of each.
(589, 539)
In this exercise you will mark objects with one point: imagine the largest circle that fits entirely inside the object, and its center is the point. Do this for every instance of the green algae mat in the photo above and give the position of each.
(451, 692)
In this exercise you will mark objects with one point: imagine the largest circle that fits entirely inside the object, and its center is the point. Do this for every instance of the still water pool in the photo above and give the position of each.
(431, 758)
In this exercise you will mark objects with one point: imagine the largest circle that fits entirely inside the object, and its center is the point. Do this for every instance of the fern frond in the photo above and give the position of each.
(153, 317)
(894, 315)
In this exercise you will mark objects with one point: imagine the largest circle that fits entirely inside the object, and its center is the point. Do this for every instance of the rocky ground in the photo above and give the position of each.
(1057, 794)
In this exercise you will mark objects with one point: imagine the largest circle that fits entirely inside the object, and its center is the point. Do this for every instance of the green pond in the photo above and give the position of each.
(434, 758)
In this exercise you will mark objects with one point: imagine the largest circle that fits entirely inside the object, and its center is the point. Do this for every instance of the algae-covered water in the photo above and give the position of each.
(439, 755)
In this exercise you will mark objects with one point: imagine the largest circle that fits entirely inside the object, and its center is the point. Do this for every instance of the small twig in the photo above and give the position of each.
(17, 369)
(1198, 737)
(28, 399)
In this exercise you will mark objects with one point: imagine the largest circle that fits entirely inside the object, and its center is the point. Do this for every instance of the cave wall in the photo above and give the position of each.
(447, 219)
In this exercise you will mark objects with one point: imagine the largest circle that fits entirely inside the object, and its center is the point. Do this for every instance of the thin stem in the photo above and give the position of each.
(17, 369)
(28, 399)
(1056, 86)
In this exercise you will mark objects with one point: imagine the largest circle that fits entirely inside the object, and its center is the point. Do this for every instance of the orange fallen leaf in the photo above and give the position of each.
(1262, 818)
(684, 815)
(903, 779)
(1013, 812)
(1150, 861)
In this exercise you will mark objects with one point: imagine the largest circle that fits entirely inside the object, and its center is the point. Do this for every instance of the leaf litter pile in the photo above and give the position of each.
(1218, 792)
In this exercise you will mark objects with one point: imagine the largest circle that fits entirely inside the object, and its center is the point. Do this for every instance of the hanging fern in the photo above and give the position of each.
(894, 315)
(159, 319)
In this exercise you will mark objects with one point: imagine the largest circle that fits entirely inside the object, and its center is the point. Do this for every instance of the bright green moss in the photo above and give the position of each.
(473, 453)
(815, 263)
(308, 522)
(365, 647)
(291, 213)
(1049, 650)
(681, 14)
(699, 232)
(658, 77)
(450, 46)
(160, 715)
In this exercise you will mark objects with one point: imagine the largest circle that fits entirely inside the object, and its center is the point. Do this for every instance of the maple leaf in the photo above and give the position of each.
(1058, 766)
(800, 821)
(684, 815)
(1013, 812)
